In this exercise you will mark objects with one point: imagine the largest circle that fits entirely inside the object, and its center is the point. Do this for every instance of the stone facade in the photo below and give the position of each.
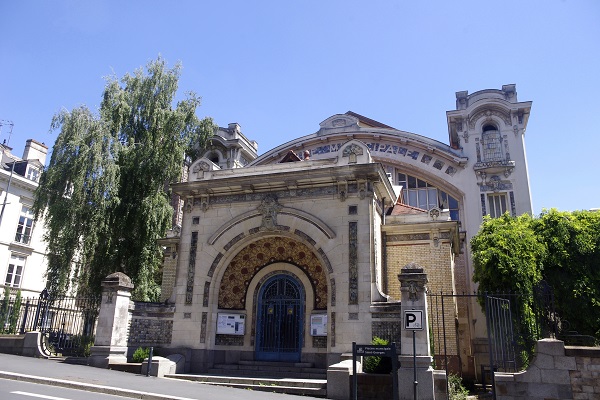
(334, 215)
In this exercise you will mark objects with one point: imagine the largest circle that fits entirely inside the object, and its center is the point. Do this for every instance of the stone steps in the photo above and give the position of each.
(290, 378)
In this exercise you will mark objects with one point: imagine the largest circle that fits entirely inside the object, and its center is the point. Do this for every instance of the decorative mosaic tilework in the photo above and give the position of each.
(229, 340)
(332, 330)
(332, 284)
(408, 237)
(206, 293)
(353, 263)
(305, 237)
(189, 292)
(450, 170)
(203, 327)
(214, 264)
(319, 342)
(483, 212)
(513, 207)
(233, 241)
(326, 260)
(255, 256)
(426, 159)
(438, 164)
(413, 154)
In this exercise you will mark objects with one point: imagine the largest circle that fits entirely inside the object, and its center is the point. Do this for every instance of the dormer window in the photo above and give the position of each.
(491, 142)
(33, 173)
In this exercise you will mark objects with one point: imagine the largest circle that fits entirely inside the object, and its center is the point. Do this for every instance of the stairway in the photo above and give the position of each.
(278, 377)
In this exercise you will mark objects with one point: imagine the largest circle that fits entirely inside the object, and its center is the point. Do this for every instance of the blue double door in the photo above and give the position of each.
(280, 319)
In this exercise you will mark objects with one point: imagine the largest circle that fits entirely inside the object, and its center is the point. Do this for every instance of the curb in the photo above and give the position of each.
(88, 387)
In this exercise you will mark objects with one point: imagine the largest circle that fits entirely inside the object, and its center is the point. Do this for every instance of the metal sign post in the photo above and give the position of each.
(413, 321)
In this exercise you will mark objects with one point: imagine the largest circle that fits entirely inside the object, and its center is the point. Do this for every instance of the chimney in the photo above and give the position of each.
(35, 151)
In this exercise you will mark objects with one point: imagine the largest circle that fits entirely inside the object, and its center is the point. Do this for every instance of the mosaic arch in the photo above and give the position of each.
(257, 255)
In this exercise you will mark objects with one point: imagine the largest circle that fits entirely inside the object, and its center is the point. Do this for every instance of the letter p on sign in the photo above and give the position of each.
(413, 320)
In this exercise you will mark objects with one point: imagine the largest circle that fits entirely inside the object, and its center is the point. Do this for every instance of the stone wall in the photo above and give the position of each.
(151, 324)
(557, 372)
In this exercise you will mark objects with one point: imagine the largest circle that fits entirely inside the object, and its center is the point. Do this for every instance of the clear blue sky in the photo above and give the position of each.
(279, 68)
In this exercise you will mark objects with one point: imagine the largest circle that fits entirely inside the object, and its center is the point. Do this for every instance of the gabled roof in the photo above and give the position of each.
(405, 209)
(368, 121)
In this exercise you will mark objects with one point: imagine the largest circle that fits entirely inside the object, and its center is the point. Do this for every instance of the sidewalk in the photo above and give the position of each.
(56, 373)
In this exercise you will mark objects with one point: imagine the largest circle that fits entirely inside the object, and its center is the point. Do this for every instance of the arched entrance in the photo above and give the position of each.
(280, 312)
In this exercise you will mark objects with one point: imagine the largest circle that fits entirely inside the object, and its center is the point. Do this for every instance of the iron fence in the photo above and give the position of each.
(513, 322)
(66, 323)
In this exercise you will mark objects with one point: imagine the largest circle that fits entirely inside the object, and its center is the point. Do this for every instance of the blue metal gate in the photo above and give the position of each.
(280, 320)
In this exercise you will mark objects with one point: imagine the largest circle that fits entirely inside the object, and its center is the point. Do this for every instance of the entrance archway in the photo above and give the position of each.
(280, 319)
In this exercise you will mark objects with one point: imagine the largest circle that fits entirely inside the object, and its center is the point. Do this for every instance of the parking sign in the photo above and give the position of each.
(413, 320)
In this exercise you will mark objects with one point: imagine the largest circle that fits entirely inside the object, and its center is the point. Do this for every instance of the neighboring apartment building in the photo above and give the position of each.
(22, 250)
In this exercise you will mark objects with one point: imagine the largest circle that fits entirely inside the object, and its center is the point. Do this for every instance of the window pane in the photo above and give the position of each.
(421, 183)
(432, 198)
(412, 198)
(412, 182)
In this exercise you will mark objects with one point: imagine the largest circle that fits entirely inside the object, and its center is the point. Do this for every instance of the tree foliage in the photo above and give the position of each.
(572, 266)
(507, 254)
(562, 248)
(105, 193)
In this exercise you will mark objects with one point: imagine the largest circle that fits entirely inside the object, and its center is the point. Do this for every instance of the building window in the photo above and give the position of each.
(421, 194)
(25, 226)
(497, 204)
(15, 271)
(491, 141)
(33, 174)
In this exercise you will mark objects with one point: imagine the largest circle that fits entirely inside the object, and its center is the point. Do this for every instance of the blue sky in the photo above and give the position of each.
(279, 68)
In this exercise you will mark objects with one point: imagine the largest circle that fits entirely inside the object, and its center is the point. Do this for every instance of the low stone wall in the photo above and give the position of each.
(151, 325)
(22, 345)
(556, 372)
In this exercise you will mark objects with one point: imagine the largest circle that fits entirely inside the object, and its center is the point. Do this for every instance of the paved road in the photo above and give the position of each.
(18, 390)
(56, 373)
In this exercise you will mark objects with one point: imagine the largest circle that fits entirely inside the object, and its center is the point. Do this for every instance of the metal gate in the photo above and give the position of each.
(67, 324)
(280, 320)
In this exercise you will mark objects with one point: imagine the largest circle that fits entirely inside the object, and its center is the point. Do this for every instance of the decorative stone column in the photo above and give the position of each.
(413, 298)
(110, 343)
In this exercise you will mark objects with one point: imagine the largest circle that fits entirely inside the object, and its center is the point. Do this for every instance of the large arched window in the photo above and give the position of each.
(491, 141)
(421, 194)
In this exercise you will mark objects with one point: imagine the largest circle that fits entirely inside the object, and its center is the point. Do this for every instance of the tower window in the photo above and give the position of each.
(491, 141)
(497, 204)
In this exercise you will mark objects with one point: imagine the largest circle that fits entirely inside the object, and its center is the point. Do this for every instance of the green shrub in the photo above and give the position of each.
(13, 318)
(456, 390)
(140, 354)
(376, 364)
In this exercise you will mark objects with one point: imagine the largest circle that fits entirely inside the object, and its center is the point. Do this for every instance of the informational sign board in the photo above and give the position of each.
(318, 325)
(230, 324)
(413, 320)
(374, 350)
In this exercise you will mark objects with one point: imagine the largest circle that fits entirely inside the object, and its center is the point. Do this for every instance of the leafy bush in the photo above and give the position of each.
(376, 364)
(13, 318)
(456, 390)
(140, 354)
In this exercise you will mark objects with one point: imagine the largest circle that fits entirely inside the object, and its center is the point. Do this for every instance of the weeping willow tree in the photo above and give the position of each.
(105, 194)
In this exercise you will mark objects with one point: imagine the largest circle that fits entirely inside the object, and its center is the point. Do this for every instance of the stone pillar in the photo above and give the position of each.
(412, 288)
(110, 344)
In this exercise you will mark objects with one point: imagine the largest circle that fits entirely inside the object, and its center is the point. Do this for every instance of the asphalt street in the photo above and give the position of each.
(98, 380)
